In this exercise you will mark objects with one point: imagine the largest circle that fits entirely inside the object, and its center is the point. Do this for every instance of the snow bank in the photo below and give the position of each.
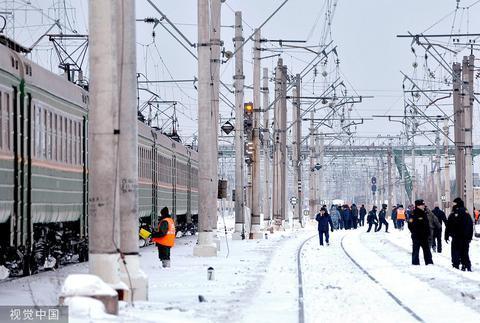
(82, 285)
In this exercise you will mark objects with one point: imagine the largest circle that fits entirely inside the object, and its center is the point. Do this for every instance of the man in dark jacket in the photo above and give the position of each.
(372, 218)
(324, 220)
(381, 218)
(354, 215)
(394, 216)
(460, 228)
(420, 229)
(437, 233)
(363, 212)
(347, 217)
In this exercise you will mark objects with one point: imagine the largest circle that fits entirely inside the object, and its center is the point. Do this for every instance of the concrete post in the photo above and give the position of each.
(216, 43)
(296, 141)
(239, 80)
(312, 196)
(468, 68)
(103, 132)
(256, 187)
(458, 121)
(131, 274)
(390, 182)
(207, 125)
(438, 181)
(267, 197)
(279, 170)
(446, 167)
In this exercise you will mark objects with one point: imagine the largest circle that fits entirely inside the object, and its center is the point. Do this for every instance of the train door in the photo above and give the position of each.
(189, 188)
(22, 147)
(155, 179)
(84, 217)
(174, 188)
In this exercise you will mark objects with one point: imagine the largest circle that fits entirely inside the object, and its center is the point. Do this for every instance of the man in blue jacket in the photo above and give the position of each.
(324, 220)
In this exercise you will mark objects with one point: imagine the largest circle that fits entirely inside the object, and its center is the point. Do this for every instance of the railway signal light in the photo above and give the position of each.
(248, 117)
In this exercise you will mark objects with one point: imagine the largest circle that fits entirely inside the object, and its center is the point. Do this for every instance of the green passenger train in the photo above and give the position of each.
(44, 169)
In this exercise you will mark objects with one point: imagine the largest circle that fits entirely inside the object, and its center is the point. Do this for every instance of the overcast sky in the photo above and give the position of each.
(370, 55)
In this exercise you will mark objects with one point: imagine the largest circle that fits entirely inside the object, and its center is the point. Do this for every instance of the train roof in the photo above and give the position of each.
(20, 66)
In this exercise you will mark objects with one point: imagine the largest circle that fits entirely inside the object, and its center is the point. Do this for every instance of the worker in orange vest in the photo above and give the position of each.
(400, 217)
(476, 213)
(164, 237)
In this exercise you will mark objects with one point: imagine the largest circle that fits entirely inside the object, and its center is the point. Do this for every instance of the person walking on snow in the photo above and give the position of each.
(393, 216)
(420, 229)
(381, 218)
(437, 233)
(372, 218)
(324, 221)
(363, 213)
(400, 217)
(460, 228)
(164, 237)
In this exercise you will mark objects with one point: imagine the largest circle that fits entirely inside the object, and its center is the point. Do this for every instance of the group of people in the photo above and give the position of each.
(426, 232)
(425, 226)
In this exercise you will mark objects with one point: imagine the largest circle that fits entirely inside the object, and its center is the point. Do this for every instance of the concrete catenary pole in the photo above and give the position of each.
(296, 140)
(131, 274)
(438, 178)
(390, 182)
(458, 121)
(311, 178)
(239, 80)
(216, 43)
(207, 125)
(256, 187)
(414, 170)
(298, 184)
(320, 179)
(103, 134)
(446, 168)
(279, 161)
(267, 197)
(468, 68)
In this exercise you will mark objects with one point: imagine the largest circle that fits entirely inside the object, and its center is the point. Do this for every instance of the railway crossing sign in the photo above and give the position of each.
(293, 200)
(227, 127)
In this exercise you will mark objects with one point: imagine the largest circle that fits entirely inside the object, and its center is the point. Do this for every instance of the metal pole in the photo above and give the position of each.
(131, 274)
(104, 143)
(267, 198)
(207, 124)
(239, 80)
(256, 187)
(216, 43)
(469, 65)
(458, 121)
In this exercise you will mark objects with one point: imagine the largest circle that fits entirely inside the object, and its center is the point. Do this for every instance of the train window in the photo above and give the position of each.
(49, 129)
(70, 141)
(74, 143)
(13, 61)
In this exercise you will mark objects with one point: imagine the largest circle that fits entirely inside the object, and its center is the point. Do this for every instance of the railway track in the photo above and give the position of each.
(301, 306)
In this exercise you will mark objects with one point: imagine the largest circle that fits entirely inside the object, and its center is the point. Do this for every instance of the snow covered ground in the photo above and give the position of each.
(257, 281)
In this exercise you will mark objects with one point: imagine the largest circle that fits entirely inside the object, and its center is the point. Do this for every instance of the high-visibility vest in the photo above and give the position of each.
(400, 214)
(476, 215)
(167, 240)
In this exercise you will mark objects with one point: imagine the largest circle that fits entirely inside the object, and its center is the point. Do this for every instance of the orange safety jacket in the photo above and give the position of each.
(167, 240)
(476, 215)
(400, 214)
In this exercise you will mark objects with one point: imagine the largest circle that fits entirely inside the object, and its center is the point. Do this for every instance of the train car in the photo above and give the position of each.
(44, 173)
